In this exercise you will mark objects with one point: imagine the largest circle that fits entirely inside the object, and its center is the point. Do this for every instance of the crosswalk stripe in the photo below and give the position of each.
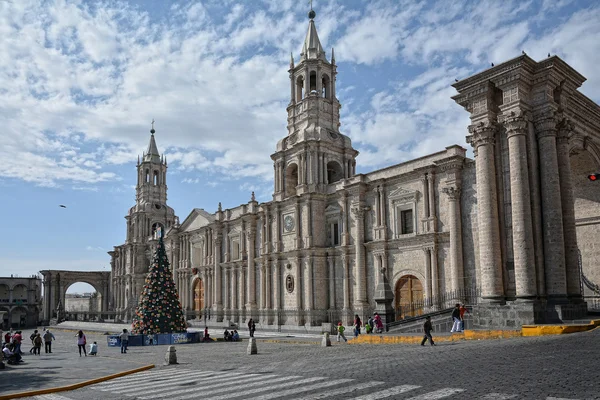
(498, 396)
(343, 390)
(138, 376)
(387, 392)
(156, 380)
(227, 383)
(558, 398)
(245, 393)
(438, 394)
(164, 386)
(302, 389)
(51, 397)
(219, 387)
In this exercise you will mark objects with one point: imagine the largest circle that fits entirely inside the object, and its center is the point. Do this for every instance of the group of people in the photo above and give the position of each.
(374, 323)
(12, 341)
(232, 336)
(458, 323)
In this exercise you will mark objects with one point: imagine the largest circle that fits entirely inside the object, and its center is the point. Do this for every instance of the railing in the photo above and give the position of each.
(436, 303)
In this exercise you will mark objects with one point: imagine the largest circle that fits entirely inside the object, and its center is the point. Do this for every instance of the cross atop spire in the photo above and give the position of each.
(312, 49)
(152, 153)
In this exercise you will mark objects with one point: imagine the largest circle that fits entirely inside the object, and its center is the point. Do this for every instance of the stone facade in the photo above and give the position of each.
(333, 243)
(20, 302)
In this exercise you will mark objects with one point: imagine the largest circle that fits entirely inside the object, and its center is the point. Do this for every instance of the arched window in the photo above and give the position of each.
(334, 172)
(155, 226)
(300, 88)
(291, 179)
(325, 87)
(147, 176)
(313, 81)
(155, 180)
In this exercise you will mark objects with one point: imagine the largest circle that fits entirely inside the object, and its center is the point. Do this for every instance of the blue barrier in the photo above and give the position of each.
(159, 338)
(113, 341)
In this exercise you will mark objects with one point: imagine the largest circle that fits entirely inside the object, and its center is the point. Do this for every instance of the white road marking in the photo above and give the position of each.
(387, 392)
(51, 397)
(245, 393)
(301, 389)
(128, 385)
(219, 387)
(138, 376)
(498, 396)
(343, 390)
(438, 394)
(164, 386)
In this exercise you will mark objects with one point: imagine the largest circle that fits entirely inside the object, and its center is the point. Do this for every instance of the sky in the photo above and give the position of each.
(80, 82)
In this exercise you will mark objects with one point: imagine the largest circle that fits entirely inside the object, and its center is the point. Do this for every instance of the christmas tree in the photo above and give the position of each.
(159, 310)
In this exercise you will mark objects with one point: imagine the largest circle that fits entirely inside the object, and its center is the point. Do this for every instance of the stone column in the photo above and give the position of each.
(427, 254)
(346, 282)
(522, 228)
(218, 304)
(483, 141)
(360, 297)
(456, 256)
(554, 245)
(331, 277)
(241, 289)
(251, 281)
(568, 213)
(431, 198)
(268, 291)
(276, 285)
(309, 303)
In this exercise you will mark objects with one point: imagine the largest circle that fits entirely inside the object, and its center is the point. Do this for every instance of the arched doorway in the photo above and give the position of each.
(198, 295)
(408, 297)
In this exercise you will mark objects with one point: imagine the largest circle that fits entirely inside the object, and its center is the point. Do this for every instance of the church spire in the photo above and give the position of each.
(152, 154)
(312, 49)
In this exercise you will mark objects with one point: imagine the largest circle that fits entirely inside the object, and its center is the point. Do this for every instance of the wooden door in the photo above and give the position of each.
(198, 295)
(409, 297)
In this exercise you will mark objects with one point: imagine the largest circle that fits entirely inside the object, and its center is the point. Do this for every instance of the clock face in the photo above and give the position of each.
(288, 223)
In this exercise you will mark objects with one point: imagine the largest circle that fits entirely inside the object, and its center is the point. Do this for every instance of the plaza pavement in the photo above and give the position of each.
(552, 367)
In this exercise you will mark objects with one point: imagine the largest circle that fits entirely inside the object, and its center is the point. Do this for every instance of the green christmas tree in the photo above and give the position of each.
(159, 310)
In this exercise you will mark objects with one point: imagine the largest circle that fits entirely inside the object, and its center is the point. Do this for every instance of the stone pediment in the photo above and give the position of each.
(333, 209)
(402, 194)
(197, 219)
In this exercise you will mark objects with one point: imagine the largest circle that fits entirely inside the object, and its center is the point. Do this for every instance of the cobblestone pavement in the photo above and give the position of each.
(557, 367)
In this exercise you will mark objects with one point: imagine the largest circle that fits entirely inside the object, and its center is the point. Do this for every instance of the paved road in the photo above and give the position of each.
(559, 367)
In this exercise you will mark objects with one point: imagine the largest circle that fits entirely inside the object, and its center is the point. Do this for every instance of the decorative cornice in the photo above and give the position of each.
(453, 192)
(482, 134)
(515, 124)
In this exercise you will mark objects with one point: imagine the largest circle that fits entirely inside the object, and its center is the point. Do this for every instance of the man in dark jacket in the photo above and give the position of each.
(427, 328)
(456, 319)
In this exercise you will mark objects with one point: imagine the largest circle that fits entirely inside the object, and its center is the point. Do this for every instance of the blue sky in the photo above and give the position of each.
(81, 81)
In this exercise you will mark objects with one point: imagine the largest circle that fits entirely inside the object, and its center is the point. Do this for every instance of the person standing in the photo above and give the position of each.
(48, 338)
(17, 339)
(37, 344)
(340, 332)
(357, 325)
(32, 338)
(81, 342)
(455, 319)
(8, 336)
(463, 310)
(427, 329)
(378, 323)
(251, 327)
(124, 341)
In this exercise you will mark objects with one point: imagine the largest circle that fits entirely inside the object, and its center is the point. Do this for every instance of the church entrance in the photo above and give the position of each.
(408, 297)
(198, 295)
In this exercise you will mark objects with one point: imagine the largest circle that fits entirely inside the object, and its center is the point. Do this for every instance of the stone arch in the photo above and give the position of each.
(335, 172)
(325, 86)
(4, 293)
(19, 292)
(155, 180)
(56, 283)
(291, 179)
(586, 195)
(300, 88)
(312, 81)
(18, 317)
(147, 176)
(4, 323)
(408, 296)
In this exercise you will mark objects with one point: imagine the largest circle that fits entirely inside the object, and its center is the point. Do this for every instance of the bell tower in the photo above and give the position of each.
(314, 153)
(150, 210)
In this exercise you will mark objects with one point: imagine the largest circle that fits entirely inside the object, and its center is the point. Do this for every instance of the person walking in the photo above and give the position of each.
(357, 325)
(378, 323)
(340, 332)
(17, 339)
(427, 329)
(124, 341)
(48, 338)
(8, 336)
(463, 311)
(81, 342)
(455, 319)
(32, 337)
(37, 344)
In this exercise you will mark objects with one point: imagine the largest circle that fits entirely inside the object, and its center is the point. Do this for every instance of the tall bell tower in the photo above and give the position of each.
(314, 153)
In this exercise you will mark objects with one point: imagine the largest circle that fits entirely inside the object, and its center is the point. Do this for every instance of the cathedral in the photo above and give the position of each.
(511, 230)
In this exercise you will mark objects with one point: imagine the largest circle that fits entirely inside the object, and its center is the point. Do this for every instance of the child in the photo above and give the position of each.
(341, 330)
(93, 349)
(427, 328)
(368, 328)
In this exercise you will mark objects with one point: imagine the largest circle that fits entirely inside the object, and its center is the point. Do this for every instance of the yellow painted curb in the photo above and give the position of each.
(289, 341)
(542, 330)
(75, 385)
(491, 334)
(413, 339)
